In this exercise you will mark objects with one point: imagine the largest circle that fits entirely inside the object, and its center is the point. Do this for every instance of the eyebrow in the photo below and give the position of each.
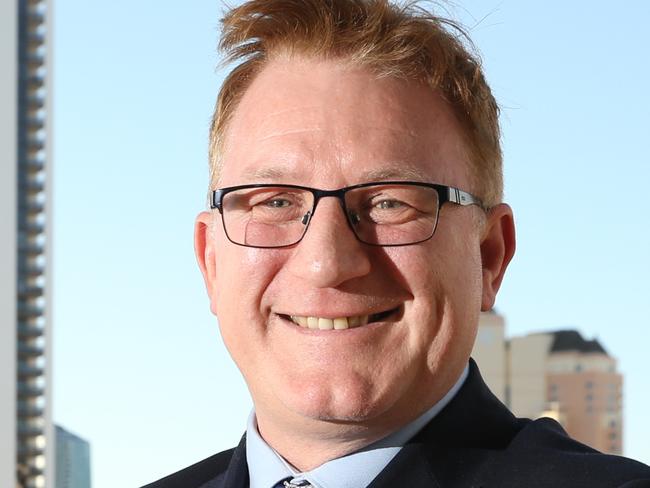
(269, 173)
(395, 171)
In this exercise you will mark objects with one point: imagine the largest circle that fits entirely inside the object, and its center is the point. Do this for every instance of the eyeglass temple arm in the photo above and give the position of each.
(461, 197)
(215, 200)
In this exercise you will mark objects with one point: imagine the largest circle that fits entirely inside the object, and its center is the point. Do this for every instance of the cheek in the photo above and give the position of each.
(243, 271)
(444, 279)
(242, 277)
(420, 270)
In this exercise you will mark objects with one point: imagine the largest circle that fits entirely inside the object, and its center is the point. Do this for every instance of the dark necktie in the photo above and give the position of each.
(288, 484)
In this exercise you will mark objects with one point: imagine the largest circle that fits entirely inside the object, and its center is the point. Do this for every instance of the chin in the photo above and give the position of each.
(355, 399)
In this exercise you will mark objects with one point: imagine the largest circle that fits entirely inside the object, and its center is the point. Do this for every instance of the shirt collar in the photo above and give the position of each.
(266, 467)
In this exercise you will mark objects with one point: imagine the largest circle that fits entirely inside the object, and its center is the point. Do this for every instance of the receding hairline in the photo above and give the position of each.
(405, 41)
(395, 170)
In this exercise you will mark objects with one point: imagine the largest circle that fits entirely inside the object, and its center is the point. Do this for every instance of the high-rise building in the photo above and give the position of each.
(26, 443)
(555, 374)
(490, 353)
(582, 379)
(72, 460)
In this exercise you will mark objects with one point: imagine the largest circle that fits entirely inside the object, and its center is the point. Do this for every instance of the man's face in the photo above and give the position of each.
(323, 125)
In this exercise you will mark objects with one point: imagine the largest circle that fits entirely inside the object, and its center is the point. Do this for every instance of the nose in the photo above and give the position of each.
(329, 253)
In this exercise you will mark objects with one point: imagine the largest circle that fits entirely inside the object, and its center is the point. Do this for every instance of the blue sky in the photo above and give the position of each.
(140, 370)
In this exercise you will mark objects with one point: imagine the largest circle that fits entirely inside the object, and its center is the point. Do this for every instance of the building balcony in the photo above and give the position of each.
(34, 39)
(33, 165)
(34, 123)
(32, 229)
(33, 82)
(31, 249)
(35, 144)
(27, 452)
(29, 331)
(29, 292)
(28, 411)
(27, 372)
(28, 476)
(26, 312)
(26, 352)
(29, 270)
(35, 19)
(27, 262)
(27, 391)
(32, 187)
(31, 112)
(33, 151)
(33, 482)
(31, 208)
(34, 102)
(33, 59)
(28, 429)
(32, 90)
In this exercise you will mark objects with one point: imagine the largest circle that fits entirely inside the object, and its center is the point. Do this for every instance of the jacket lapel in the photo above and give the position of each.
(409, 468)
(237, 474)
(453, 449)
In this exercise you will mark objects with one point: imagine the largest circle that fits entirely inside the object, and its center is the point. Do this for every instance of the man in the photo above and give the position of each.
(356, 232)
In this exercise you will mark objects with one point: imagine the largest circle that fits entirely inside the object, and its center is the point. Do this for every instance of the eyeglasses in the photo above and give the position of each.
(392, 213)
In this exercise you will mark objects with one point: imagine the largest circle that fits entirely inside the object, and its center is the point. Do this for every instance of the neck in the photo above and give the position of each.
(307, 443)
(309, 447)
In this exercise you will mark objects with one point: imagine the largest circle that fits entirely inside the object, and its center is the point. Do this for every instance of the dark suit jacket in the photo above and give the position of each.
(474, 442)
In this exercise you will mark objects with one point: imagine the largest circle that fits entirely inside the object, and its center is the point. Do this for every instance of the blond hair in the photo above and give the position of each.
(400, 41)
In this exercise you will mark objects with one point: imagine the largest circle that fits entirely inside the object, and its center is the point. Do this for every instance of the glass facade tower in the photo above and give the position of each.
(72, 460)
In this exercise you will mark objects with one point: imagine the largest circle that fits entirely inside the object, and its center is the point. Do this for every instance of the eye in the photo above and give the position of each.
(389, 204)
(276, 203)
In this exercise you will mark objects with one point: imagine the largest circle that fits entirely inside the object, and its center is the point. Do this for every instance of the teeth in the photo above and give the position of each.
(325, 324)
(339, 323)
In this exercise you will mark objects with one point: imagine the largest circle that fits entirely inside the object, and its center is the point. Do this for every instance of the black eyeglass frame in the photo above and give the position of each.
(445, 194)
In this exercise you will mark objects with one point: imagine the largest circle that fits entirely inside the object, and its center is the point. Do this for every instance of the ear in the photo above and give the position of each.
(497, 249)
(205, 253)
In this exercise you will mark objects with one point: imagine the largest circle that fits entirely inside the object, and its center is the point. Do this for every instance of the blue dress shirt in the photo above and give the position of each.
(266, 467)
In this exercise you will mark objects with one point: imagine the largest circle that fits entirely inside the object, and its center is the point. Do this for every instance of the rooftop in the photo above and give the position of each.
(572, 340)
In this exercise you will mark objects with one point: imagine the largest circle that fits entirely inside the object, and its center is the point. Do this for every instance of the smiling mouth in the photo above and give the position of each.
(340, 323)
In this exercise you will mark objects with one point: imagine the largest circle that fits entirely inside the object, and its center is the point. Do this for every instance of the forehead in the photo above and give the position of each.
(317, 122)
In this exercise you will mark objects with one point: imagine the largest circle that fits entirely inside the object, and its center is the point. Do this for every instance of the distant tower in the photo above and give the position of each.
(554, 374)
(25, 190)
(583, 381)
(574, 380)
(72, 460)
(490, 353)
